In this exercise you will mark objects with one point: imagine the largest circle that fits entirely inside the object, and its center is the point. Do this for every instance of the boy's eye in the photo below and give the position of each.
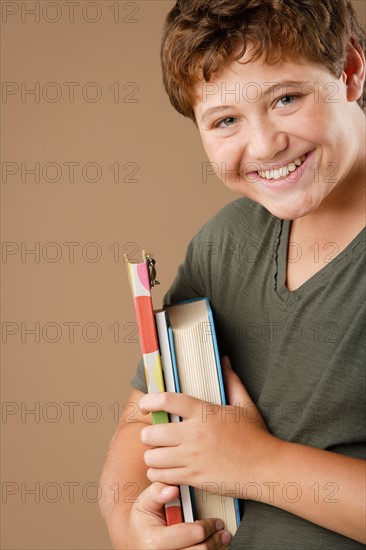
(225, 122)
(286, 100)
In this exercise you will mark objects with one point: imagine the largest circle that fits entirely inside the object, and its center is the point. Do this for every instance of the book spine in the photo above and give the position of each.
(140, 285)
(170, 385)
(173, 512)
(141, 291)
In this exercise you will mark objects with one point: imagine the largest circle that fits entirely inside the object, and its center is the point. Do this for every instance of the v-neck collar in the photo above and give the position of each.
(288, 297)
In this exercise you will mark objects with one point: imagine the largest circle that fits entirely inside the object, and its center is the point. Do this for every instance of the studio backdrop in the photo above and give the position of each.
(95, 163)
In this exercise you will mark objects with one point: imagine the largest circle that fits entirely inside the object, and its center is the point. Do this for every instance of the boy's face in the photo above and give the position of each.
(282, 135)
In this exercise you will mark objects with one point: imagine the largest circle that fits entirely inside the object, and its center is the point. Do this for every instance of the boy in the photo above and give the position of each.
(276, 89)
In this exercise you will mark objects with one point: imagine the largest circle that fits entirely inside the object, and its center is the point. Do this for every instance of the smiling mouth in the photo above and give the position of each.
(284, 171)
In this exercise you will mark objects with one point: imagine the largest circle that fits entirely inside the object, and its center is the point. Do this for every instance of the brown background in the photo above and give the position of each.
(76, 381)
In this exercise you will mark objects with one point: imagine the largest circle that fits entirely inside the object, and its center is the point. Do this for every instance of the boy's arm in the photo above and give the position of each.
(323, 487)
(133, 508)
(124, 467)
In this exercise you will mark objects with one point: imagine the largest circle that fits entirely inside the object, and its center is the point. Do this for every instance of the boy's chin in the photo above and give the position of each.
(288, 212)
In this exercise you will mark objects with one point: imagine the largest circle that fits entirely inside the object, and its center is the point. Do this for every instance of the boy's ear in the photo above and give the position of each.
(354, 71)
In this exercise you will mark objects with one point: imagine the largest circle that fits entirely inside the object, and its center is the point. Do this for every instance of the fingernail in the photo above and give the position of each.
(166, 491)
(227, 360)
(143, 435)
(219, 524)
(225, 538)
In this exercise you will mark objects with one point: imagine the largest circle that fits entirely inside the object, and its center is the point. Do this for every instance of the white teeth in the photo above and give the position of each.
(282, 172)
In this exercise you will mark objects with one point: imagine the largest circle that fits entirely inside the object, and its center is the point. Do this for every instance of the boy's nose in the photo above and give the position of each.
(265, 142)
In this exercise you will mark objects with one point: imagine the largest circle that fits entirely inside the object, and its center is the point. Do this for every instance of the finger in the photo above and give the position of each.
(235, 391)
(170, 476)
(162, 435)
(163, 457)
(182, 535)
(153, 498)
(218, 541)
(174, 403)
(189, 535)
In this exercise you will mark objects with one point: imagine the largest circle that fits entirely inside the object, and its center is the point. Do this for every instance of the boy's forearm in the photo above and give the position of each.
(323, 487)
(124, 473)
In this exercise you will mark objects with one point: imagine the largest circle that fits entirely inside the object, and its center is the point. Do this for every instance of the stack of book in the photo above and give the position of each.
(180, 354)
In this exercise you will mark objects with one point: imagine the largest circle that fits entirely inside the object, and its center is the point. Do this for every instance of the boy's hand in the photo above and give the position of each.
(222, 445)
(145, 526)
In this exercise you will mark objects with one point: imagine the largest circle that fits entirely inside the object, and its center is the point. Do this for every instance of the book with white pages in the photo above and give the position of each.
(196, 369)
(166, 360)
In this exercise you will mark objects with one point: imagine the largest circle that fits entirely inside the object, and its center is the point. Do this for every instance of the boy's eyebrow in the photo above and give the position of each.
(216, 110)
(269, 89)
(283, 84)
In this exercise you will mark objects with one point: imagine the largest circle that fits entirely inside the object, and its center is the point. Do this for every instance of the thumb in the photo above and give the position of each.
(235, 391)
(152, 499)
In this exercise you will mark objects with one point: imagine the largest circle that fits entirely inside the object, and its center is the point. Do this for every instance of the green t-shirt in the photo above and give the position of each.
(300, 354)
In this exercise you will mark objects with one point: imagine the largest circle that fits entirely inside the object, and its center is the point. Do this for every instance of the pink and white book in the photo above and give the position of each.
(141, 280)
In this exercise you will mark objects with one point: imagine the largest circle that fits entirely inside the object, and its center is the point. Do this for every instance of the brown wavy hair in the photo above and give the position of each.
(201, 37)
